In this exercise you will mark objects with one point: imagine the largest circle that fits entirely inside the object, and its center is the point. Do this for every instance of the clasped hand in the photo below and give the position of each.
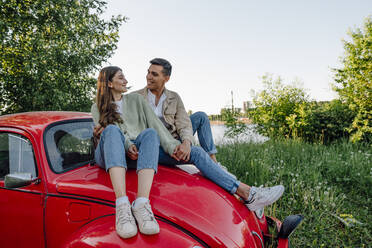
(182, 151)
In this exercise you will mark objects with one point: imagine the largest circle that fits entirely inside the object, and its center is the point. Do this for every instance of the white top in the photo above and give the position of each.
(157, 108)
(120, 105)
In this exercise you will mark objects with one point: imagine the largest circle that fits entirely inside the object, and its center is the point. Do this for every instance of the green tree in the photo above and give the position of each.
(274, 104)
(285, 111)
(354, 81)
(234, 126)
(49, 50)
(322, 122)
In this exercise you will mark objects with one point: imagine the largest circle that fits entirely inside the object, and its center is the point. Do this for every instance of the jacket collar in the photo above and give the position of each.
(167, 93)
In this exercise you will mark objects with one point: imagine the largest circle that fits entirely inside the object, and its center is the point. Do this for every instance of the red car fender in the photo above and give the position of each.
(283, 243)
(101, 233)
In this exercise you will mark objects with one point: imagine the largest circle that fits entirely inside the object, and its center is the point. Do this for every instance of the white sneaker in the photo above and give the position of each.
(147, 223)
(125, 224)
(261, 197)
(225, 169)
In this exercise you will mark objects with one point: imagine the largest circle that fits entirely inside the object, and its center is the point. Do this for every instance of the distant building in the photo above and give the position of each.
(247, 105)
(223, 110)
(239, 110)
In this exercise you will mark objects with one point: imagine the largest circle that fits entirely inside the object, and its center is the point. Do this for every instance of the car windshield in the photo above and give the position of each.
(69, 144)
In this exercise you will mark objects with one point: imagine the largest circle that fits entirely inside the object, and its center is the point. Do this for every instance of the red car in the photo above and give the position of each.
(53, 195)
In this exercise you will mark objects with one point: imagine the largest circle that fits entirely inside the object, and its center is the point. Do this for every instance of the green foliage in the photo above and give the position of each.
(320, 122)
(285, 112)
(320, 182)
(49, 50)
(273, 105)
(354, 81)
(234, 127)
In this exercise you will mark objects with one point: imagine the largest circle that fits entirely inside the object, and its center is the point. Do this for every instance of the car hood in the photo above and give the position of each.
(192, 203)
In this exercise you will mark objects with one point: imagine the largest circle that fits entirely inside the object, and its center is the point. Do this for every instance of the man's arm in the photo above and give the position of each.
(183, 122)
(184, 130)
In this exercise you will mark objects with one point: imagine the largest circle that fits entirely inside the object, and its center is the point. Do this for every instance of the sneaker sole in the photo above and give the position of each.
(127, 235)
(150, 233)
(273, 199)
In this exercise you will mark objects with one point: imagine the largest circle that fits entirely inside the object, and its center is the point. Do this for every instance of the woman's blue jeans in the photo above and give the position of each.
(110, 151)
(200, 123)
(201, 159)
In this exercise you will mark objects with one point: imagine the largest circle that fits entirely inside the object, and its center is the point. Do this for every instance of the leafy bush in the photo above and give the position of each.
(353, 81)
(285, 111)
(273, 105)
(234, 127)
(320, 122)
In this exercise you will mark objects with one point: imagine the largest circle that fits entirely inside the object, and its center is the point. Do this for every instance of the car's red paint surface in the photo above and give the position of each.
(77, 208)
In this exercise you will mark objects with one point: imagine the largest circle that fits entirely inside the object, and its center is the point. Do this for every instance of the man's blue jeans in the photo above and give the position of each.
(110, 151)
(199, 156)
(206, 165)
(200, 123)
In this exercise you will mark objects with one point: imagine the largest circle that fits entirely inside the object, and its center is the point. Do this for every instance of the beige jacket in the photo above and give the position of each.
(175, 115)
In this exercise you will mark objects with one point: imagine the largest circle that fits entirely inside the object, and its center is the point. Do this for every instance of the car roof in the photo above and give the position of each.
(39, 120)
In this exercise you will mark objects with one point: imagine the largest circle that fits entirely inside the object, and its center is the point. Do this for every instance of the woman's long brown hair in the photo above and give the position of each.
(105, 100)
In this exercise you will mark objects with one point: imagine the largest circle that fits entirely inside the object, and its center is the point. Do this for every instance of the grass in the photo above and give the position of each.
(322, 183)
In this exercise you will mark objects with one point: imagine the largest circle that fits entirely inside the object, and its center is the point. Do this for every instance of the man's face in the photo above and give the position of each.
(156, 78)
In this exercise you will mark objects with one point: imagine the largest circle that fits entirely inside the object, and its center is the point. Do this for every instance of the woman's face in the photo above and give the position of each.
(118, 84)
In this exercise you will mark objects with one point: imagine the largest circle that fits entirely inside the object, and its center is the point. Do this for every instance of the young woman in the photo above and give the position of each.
(129, 124)
(123, 134)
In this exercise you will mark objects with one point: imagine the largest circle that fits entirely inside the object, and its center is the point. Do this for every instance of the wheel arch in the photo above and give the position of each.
(101, 233)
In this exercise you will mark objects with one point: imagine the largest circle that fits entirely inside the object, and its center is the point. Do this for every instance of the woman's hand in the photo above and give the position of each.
(182, 152)
(97, 135)
(97, 131)
(133, 152)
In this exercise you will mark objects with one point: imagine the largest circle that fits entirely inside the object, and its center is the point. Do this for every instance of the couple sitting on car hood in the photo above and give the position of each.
(151, 127)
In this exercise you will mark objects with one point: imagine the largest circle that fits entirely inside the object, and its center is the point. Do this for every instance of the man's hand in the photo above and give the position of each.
(97, 131)
(182, 152)
(133, 152)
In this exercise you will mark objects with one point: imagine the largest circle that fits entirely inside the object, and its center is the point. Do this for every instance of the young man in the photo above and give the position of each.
(168, 106)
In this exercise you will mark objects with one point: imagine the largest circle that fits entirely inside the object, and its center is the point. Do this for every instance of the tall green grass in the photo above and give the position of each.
(321, 182)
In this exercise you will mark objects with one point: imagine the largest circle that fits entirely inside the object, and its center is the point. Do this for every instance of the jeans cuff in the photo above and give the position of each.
(107, 167)
(155, 169)
(213, 151)
(235, 187)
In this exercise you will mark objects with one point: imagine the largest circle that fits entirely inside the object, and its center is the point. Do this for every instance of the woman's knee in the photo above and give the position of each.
(151, 134)
(113, 133)
(111, 129)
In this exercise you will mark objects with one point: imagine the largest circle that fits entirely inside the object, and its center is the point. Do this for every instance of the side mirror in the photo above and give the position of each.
(289, 225)
(18, 180)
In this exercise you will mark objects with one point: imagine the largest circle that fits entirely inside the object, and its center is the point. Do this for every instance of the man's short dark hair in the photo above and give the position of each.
(167, 67)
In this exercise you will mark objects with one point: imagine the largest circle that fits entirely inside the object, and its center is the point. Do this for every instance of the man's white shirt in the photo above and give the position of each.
(158, 109)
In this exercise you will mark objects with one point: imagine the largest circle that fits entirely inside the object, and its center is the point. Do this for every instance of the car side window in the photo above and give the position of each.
(16, 155)
(69, 145)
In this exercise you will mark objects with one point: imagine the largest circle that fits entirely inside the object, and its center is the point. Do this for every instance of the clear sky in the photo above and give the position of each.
(219, 46)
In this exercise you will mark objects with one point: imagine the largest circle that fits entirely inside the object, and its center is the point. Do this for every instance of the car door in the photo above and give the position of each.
(21, 208)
